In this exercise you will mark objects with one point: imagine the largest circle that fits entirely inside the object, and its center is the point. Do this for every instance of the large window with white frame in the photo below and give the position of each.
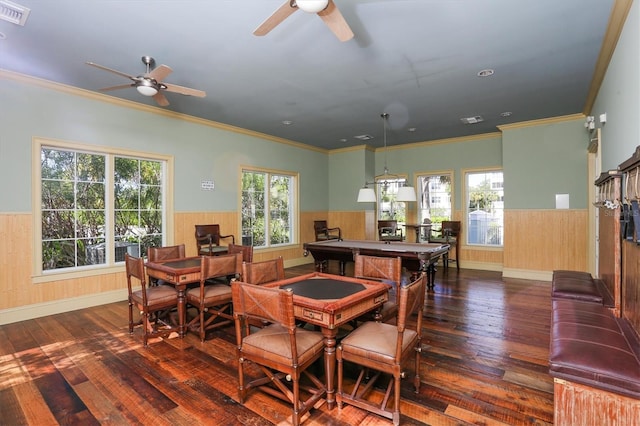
(485, 207)
(268, 213)
(97, 205)
(387, 193)
(434, 197)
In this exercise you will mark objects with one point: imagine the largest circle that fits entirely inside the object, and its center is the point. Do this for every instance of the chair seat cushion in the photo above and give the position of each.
(273, 343)
(213, 294)
(162, 295)
(377, 341)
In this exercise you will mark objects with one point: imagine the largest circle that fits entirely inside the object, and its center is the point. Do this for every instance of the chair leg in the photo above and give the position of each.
(241, 388)
(396, 402)
(145, 328)
(130, 318)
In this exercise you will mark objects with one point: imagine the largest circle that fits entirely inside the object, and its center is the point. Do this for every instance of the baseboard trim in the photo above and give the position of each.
(37, 310)
(527, 274)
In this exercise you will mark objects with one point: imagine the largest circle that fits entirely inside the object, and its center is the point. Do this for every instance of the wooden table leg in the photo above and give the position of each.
(182, 311)
(330, 364)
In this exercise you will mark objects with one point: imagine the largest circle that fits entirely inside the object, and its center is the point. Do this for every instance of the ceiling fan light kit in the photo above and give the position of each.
(151, 83)
(325, 9)
(146, 88)
(312, 6)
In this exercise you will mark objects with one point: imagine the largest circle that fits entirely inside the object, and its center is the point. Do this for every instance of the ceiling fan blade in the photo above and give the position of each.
(93, 64)
(275, 19)
(121, 86)
(335, 21)
(161, 99)
(160, 73)
(184, 90)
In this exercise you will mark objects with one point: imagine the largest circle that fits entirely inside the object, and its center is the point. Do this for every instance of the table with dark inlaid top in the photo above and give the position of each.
(330, 301)
(179, 273)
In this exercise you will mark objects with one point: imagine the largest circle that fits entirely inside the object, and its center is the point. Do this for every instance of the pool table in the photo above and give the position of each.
(415, 256)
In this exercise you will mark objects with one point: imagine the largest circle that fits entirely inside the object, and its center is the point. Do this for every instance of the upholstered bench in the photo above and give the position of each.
(578, 285)
(594, 359)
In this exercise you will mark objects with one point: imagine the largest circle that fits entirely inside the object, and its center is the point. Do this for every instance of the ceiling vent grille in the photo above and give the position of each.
(13, 12)
(364, 137)
(472, 120)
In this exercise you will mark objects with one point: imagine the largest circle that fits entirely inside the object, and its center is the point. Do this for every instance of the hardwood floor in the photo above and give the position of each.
(484, 362)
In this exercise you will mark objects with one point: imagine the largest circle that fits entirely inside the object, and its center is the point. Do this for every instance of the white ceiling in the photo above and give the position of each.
(414, 59)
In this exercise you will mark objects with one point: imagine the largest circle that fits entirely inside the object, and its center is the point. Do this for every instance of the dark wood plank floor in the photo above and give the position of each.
(484, 362)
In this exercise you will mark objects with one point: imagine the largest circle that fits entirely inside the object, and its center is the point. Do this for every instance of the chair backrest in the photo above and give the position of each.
(380, 268)
(450, 228)
(263, 272)
(226, 265)
(320, 226)
(247, 251)
(166, 252)
(206, 232)
(269, 304)
(389, 226)
(134, 267)
(410, 299)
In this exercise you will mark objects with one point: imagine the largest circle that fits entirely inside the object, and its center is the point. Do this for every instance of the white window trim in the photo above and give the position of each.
(40, 276)
(295, 208)
(465, 201)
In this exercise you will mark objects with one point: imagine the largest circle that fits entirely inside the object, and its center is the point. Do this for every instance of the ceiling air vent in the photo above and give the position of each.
(472, 120)
(364, 137)
(13, 12)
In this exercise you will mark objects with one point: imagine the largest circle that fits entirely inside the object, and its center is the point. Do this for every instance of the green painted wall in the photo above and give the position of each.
(545, 160)
(201, 152)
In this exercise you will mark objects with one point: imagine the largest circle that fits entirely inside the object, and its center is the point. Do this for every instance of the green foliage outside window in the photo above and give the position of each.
(74, 207)
(266, 209)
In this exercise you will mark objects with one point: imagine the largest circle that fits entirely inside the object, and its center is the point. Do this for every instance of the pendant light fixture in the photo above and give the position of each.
(405, 193)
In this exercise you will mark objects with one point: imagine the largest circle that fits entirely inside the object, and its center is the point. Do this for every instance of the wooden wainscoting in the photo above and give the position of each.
(545, 240)
(16, 259)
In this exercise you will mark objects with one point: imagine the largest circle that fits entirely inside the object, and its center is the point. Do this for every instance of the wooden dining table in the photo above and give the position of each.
(179, 273)
(329, 302)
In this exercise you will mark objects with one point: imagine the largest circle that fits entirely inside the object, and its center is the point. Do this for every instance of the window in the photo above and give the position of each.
(388, 207)
(485, 208)
(97, 206)
(268, 208)
(435, 197)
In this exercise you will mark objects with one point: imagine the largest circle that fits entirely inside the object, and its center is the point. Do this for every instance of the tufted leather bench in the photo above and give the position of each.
(590, 346)
(578, 285)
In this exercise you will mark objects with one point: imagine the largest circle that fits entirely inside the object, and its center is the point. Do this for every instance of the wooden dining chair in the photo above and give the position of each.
(281, 350)
(323, 232)
(212, 298)
(152, 302)
(384, 348)
(388, 230)
(208, 240)
(449, 233)
(387, 270)
(247, 251)
(155, 254)
(263, 272)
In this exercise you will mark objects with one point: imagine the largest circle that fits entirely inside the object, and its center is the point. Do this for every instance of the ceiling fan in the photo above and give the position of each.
(152, 82)
(325, 9)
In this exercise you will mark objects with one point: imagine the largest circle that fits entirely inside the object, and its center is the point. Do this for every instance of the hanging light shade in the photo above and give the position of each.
(366, 195)
(406, 193)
